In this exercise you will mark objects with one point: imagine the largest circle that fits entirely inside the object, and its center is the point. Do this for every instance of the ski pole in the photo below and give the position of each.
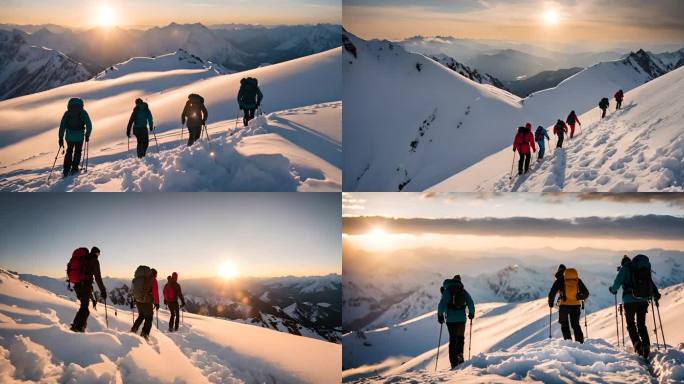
(439, 342)
(550, 321)
(655, 325)
(155, 139)
(617, 326)
(622, 324)
(661, 325)
(106, 318)
(470, 337)
(53, 164)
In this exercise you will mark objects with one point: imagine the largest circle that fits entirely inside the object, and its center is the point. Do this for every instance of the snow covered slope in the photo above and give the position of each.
(26, 69)
(304, 133)
(36, 345)
(639, 148)
(466, 71)
(411, 124)
(181, 59)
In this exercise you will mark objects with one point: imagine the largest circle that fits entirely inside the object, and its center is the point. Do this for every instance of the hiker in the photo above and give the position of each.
(173, 292)
(82, 269)
(604, 104)
(196, 115)
(74, 121)
(634, 276)
(539, 136)
(141, 117)
(249, 98)
(571, 120)
(560, 129)
(524, 144)
(619, 95)
(451, 309)
(572, 292)
(146, 295)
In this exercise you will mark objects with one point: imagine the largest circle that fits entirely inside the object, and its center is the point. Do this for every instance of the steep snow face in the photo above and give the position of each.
(466, 71)
(26, 69)
(180, 59)
(36, 345)
(638, 148)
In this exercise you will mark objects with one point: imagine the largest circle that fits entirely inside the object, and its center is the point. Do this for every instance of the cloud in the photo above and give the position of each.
(635, 227)
(674, 199)
(351, 203)
(435, 6)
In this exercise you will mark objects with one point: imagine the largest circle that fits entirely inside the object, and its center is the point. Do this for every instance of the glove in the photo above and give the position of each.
(550, 304)
(614, 292)
(87, 139)
(128, 135)
(513, 149)
(440, 318)
(156, 306)
(151, 129)
(103, 295)
(471, 316)
(61, 142)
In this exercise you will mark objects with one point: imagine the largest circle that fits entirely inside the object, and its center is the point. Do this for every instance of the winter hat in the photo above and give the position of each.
(154, 272)
(528, 126)
(174, 276)
(168, 278)
(138, 101)
(457, 277)
(625, 260)
(94, 250)
(561, 268)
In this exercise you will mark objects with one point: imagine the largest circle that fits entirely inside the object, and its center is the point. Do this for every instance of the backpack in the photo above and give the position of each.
(77, 267)
(73, 119)
(571, 119)
(604, 103)
(248, 88)
(538, 135)
(640, 281)
(141, 285)
(570, 289)
(457, 298)
(170, 292)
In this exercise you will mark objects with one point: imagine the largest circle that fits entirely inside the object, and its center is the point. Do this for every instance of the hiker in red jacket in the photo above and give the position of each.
(524, 144)
(173, 292)
(619, 95)
(571, 120)
(560, 129)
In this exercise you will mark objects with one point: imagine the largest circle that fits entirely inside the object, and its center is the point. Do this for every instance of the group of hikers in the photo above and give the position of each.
(76, 126)
(524, 141)
(83, 269)
(569, 294)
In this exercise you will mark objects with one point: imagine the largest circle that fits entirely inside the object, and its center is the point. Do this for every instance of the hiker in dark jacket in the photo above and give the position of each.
(619, 95)
(146, 305)
(572, 292)
(451, 309)
(195, 113)
(173, 292)
(604, 104)
(571, 121)
(560, 129)
(84, 289)
(636, 308)
(141, 118)
(75, 126)
(524, 145)
(249, 98)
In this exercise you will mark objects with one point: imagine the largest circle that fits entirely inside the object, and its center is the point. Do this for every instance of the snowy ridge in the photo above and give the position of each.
(36, 345)
(466, 71)
(26, 69)
(181, 59)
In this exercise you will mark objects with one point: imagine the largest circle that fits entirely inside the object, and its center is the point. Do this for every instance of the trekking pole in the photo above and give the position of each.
(155, 139)
(550, 309)
(128, 151)
(206, 131)
(87, 146)
(181, 139)
(586, 327)
(106, 318)
(53, 164)
(617, 326)
(157, 318)
(510, 175)
(655, 325)
(661, 326)
(470, 337)
(622, 324)
(237, 116)
(439, 342)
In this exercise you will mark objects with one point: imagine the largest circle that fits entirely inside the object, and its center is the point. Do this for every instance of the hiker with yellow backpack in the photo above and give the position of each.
(572, 292)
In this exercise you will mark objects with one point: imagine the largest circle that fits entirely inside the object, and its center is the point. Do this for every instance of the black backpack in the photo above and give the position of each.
(249, 86)
(457, 297)
(538, 135)
(73, 119)
(604, 103)
(640, 281)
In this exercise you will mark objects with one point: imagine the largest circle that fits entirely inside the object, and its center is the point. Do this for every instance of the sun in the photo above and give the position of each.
(378, 232)
(105, 16)
(228, 270)
(551, 17)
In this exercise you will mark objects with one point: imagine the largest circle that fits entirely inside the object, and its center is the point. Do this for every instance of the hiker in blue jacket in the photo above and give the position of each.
(539, 136)
(451, 309)
(140, 120)
(634, 276)
(75, 127)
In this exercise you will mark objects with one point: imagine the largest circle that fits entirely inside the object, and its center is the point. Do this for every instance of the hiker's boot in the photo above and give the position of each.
(637, 348)
(645, 351)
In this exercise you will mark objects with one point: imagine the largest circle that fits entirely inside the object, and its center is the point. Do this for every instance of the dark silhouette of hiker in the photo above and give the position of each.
(604, 104)
(146, 295)
(173, 292)
(619, 95)
(195, 113)
(249, 98)
(560, 129)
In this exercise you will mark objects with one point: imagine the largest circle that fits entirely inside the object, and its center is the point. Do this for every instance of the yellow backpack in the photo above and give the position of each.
(571, 288)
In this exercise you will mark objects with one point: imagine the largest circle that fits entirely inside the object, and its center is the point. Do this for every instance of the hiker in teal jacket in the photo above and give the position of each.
(140, 119)
(539, 136)
(452, 309)
(636, 308)
(76, 126)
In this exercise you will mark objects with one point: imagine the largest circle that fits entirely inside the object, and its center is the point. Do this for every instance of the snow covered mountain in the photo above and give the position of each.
(466, 71)
(180, 59)
(638, 148)
(296, 145)
(26, 69)
(510, 64)
(37, 346)
(446, 122)
(540, 81)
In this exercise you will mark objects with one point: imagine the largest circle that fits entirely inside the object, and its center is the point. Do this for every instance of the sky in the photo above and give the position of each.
(261, 234)
(559, 21)
(90, 13)
(486, 221)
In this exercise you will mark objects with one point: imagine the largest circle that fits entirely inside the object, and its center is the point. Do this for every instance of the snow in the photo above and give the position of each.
(36, 345)
(180, 59)
(636, 149)
(296, 146)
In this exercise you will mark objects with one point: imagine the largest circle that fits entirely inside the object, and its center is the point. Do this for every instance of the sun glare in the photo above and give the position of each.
(106, 16)
(228, 270)
(551, 17)
(378, 232)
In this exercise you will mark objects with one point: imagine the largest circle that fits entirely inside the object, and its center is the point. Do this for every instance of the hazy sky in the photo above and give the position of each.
(518, 220)
(567, 21)
(269, 234)
(160, 12)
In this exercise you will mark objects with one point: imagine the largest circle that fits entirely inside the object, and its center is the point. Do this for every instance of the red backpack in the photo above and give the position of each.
(170, 291)
(76, 268)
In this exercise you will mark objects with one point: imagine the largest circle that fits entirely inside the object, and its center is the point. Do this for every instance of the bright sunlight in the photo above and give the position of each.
(551, 17)
(228, 270)
(106, 16)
